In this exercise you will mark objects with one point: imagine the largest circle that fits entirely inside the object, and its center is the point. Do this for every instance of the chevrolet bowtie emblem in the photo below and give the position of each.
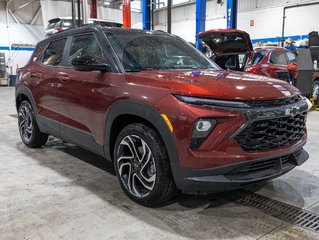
(291, 111)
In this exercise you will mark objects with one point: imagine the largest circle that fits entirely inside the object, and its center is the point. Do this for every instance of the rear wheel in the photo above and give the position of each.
(28, 127)
(142, 165)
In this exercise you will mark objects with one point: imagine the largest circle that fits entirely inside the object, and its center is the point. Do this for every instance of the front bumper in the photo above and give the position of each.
(203, 181)
(211, 167)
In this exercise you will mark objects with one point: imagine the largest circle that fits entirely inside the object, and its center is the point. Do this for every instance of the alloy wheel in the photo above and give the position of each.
(136, 166)
(25, 123)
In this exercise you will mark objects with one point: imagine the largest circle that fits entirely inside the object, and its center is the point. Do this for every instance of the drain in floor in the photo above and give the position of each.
(277, 209)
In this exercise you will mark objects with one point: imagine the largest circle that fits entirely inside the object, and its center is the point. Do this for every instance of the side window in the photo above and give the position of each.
(53, 54)
(85, 45)
(291, 57)
(278, 57)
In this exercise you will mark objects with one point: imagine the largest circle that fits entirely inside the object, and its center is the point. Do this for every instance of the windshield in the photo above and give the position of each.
(258, 56)
(144, 51)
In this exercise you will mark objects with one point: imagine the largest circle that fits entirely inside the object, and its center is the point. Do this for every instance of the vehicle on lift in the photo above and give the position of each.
(60, 24)
(232, 49)
(166, 116)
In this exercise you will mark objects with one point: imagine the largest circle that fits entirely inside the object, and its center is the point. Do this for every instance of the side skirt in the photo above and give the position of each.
(70, 134)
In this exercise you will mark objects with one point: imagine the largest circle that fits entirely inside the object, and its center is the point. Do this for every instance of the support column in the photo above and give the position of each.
(79, 12)
(200, 19)
(126, 13)
(93, 13)
(169, 16)
(73, 13)
(146, 14)
(232, 9)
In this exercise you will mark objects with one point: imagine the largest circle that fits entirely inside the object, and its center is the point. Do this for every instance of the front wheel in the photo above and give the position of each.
(28, 127)
(142, 165)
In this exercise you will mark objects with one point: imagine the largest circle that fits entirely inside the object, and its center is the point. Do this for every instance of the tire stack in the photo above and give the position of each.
(2, 65)
(3, 80)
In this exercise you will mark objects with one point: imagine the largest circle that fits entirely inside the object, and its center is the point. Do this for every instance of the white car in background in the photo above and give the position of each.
(62, 23)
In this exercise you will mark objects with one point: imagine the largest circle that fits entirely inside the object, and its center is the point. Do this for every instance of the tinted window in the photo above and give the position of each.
(258, 56)
(85, 45)
(143, 51)
(291, 57)
(53, 54)
(278, 57)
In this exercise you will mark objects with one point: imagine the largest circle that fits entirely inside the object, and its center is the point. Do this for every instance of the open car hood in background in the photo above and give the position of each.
(223, 41)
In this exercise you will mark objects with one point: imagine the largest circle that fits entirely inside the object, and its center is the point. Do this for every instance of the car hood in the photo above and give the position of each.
(215, 84)
(223, 41)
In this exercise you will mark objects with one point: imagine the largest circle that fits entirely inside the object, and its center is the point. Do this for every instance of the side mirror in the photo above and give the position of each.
(89, 63)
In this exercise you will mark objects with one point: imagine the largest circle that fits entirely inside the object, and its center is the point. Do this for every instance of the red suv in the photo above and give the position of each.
(166, 116)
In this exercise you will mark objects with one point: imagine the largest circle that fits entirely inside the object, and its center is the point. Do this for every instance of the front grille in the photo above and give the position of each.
(264, 168)
(274, 102)
(272, 133)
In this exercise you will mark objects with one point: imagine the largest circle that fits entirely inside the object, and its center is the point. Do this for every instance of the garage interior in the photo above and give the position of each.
(62, 191)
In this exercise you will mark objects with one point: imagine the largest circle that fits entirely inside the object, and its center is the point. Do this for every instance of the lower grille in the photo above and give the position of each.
(264, 168)
(272, 133)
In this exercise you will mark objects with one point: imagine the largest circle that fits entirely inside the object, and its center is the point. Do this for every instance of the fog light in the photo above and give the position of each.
(203, 125)
(202, 128)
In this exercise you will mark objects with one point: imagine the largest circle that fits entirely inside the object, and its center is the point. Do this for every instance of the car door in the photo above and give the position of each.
(82, 95)
(45, 80)
(278, 65)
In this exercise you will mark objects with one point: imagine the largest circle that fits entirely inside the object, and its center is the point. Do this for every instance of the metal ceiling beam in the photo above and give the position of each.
(36, 15)
(14, 17)
(24, 5)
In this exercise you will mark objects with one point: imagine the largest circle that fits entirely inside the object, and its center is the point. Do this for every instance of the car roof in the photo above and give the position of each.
(53, 20)
(95, 28)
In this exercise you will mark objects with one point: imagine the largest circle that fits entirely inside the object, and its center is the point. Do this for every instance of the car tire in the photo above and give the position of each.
(315, 87)
(142, 165)
(28, 127)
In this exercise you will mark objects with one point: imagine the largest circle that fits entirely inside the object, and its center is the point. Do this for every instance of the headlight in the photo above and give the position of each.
(309, 105)
(211, 102)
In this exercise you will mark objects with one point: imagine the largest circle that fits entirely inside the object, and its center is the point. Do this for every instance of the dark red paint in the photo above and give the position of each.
(81, 101)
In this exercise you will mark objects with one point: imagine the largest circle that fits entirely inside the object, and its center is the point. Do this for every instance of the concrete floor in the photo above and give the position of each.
(64, 192)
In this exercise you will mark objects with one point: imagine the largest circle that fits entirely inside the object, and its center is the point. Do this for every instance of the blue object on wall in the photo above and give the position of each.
(146, 14)
(200, 20)
(232, 8)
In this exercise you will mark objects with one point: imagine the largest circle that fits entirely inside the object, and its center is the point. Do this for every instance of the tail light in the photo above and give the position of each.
(251, 70)
(58, 29)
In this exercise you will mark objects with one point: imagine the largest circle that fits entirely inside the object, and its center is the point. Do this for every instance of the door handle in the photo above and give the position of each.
(64, 79)
(35, 75)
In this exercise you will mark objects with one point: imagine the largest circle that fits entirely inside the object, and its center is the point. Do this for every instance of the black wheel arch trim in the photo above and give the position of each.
(24, 90)
(151, 115)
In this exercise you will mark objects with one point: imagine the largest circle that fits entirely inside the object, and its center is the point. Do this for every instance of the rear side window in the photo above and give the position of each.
(85, 45)
(291, 57)
(54, 53)
(258, 56)
(278, 57)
